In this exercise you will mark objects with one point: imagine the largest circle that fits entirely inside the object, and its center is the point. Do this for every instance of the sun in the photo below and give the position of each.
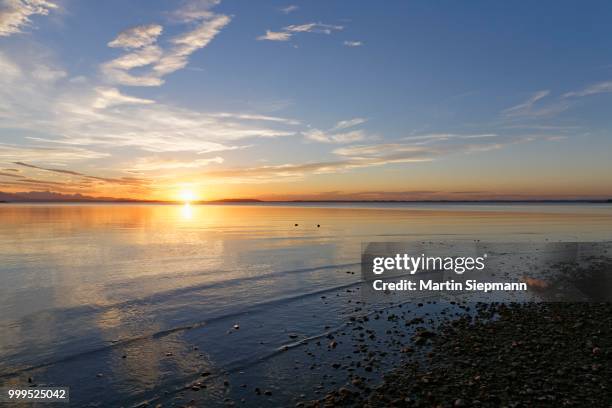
(187, 196)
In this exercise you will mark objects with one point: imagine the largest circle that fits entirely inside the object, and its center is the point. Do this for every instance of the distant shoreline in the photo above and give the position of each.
(254, 201)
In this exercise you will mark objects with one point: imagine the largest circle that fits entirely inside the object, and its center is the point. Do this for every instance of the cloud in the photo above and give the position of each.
(247, 116)
(146, 164)
(372, 155)
(602, 87)
(15, 14)
(9, 70)
(313, 28)
(67, 120)
(185, 44)
(155, 62)
(445, 137)
(195, 10)
(526, 106)
(387, 151)
(137, 37)
(345, 124)
(118, 70)
(12, 174)
(287, 32)
(335, 134)
(48, 74)
(289, 9)
(275, 36)
(108, 97)
(122, 180)
(40, 153)
(353, 43)
(153, 127)
(282, 172)
(324, 137)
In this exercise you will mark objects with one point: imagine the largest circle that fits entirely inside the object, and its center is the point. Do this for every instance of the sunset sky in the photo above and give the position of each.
(306, 100)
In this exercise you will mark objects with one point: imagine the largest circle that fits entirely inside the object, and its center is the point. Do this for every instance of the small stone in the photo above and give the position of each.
(459, 403)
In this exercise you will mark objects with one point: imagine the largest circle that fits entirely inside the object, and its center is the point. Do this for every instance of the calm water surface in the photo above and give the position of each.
(124, 302)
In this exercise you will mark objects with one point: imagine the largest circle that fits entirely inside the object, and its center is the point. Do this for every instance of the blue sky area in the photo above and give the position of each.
(313, 99)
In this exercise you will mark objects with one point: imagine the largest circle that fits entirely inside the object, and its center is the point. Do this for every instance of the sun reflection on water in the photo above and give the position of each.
(187, 212)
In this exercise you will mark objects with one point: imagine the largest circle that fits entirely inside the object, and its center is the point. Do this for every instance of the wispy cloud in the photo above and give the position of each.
(195, 10)
(107, 97)
(345, 124)
(64, 180)
(526, 106)
(255, 117)
(47, 154)
(371, 155)
(137, 37)
(533, 108)
(147, 164)
(122, 180)
(288, 32)
(289, 9)
(313, 28)
(63, 116)
(11, 174)
(155, 127)
(343, 137)
(157, 62)
(15, 14)
(445, 137)
(338, 133)
(189, 42)
(601, 87)
(275, 36)
(353, 43)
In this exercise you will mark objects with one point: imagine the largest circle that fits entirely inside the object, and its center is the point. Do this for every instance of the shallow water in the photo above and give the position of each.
(125, 302)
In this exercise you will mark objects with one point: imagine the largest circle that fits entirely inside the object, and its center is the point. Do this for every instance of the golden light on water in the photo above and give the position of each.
(187, 211)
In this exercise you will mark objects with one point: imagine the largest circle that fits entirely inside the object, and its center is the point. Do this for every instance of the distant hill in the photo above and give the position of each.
(8, 197)
(49, 196)
(236, 200)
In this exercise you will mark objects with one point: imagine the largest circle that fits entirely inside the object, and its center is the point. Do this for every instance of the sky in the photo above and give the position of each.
(284, 100)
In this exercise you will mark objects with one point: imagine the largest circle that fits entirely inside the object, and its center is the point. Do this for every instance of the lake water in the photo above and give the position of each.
(130, 303)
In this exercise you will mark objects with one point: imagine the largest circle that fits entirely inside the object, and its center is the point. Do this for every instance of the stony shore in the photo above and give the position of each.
(518, 355)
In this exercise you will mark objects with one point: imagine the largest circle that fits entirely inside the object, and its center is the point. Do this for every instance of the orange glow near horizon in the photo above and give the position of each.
(375, 184)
